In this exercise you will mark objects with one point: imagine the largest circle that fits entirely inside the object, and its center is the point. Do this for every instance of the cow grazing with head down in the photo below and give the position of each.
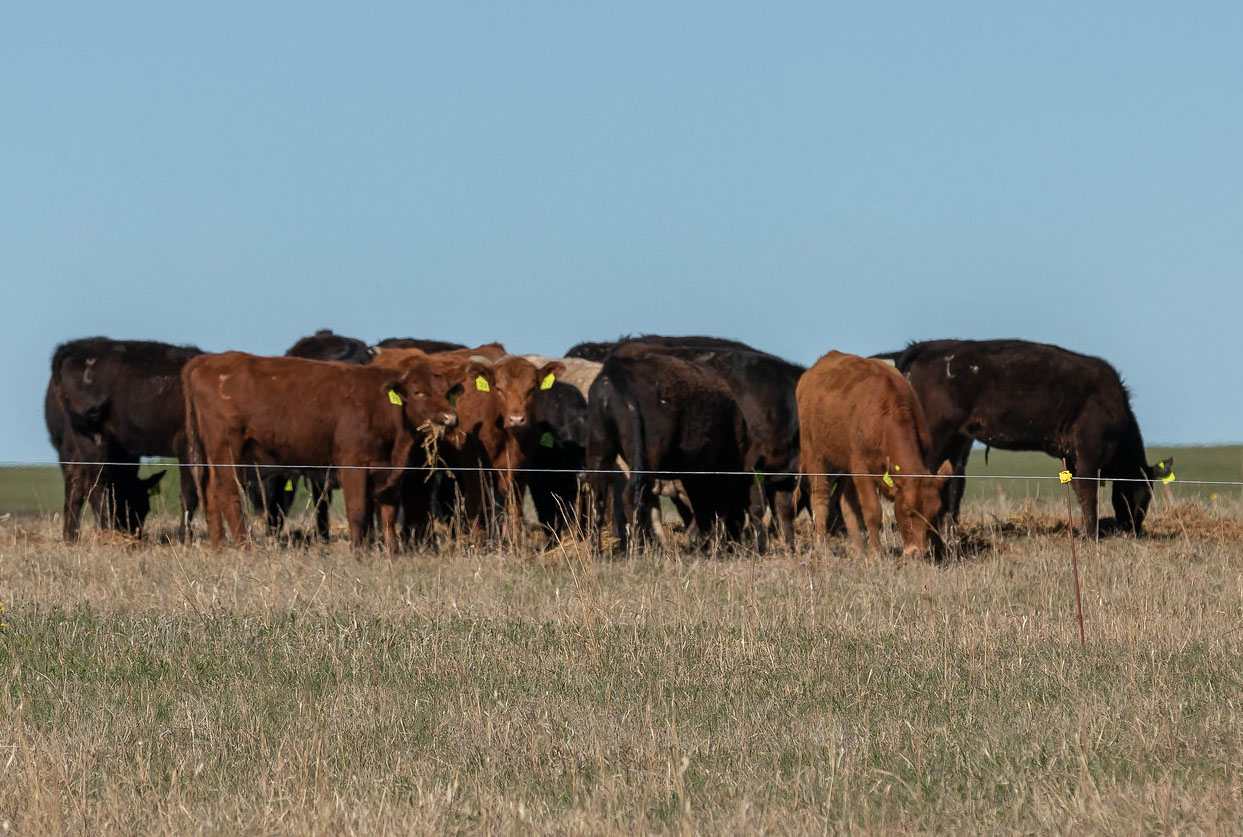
(859, 416)
(365, 423)
(661, 413)
(1018, 395)
(116, 401)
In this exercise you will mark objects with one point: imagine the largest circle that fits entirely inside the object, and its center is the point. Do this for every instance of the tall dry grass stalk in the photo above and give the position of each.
(175, 689)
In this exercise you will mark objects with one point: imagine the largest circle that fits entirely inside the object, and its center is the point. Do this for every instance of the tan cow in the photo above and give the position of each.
(859, 416)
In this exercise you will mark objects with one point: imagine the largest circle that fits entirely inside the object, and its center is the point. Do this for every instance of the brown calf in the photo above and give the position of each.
(859, 416)
(242, 408)
(495, 428)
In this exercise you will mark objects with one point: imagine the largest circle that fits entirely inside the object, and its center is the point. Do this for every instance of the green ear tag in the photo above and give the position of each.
(548, 381)
(481, 384)
(394, 398)
(887, 480)
(1168, 478)
(546, 440)
(289, 485)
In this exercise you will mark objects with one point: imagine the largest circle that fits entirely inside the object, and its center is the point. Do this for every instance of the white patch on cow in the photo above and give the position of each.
(86, 373)
(220, 387)
(948, 373)
(974, 369)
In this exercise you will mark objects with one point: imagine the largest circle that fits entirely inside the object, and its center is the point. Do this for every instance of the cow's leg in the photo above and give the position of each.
(354, 488)
(388, 523)
(758, 505)
(782, 502)
(229, 490)
(848, 498)
(416, 510)
(957, 451)
(321, 492)
(189, 500)
(77, 486)
(213, 500)
(819, 489)
(870, 508)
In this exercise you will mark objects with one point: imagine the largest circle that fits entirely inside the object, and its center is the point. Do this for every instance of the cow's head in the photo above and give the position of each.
(126, 500)
(916, 507)
(424, 395)
(1131, 497)
(518, 380)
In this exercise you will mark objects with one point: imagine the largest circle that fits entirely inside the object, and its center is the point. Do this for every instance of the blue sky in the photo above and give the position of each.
(802, 177)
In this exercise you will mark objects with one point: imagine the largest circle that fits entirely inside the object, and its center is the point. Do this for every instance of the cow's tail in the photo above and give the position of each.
(194, 444)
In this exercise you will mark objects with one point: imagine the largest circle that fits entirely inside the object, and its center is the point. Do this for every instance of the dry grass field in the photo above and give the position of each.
(159, 688)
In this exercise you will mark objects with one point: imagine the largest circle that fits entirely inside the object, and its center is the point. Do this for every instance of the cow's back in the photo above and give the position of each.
(850, 404)
(1013, 393)
(288, 410)
(126, 390)
(689, 415)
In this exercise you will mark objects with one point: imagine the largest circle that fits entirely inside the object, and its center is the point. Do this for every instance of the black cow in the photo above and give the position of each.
(273, 488)
(764, 387)
(430, 346)
(115, 401)
(1018, 395)
(561, 427)
(118, 496)
(661, 413)
(325, 345)
(598, 351)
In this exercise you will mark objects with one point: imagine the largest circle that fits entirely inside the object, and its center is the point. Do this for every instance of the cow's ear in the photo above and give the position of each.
(548, 373)
(480, 375)
(151, 484)
(396, 391)
(1163, 470)
(944, 473)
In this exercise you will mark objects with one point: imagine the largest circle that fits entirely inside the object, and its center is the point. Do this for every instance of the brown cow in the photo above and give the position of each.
(242, 408)
(859, 416)
(496, 426)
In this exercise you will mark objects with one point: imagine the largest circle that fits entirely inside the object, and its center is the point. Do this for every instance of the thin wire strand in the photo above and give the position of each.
(645, 472)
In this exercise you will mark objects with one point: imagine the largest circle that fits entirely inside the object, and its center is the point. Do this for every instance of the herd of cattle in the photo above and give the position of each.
(415, 431)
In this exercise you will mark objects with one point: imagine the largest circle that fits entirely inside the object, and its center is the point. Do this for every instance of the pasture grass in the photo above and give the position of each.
(177, 689)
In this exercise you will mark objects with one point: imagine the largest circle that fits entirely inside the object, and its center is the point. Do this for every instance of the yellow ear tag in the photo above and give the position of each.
(1064, 477)
(394, 398)
(548, 381)
(289, 485)
(1168, 478)
(481, 384)
(887, 480)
